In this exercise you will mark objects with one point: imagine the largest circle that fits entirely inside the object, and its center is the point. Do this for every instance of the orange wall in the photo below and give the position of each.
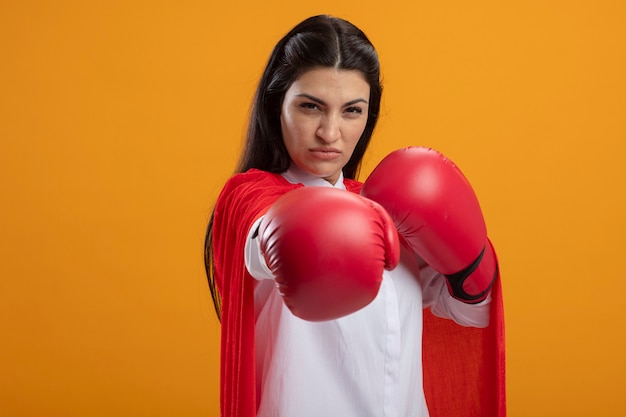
(119, 123)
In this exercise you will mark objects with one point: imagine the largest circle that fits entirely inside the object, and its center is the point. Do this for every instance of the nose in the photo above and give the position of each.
(329, 129)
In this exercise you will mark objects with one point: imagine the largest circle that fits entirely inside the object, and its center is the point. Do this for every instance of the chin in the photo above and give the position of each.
(322, 173)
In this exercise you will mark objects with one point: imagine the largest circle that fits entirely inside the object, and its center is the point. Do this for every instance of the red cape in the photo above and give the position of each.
(463, 367)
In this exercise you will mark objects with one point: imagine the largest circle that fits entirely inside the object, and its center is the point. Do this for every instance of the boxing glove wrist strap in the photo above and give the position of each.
(456, 281)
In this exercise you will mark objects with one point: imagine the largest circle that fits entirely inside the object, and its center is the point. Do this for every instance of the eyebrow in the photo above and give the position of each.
(320, 101)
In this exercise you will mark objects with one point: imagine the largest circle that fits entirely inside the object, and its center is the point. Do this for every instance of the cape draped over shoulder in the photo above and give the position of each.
(463, 367)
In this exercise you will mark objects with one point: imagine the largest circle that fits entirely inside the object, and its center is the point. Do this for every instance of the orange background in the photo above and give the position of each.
(120, 121)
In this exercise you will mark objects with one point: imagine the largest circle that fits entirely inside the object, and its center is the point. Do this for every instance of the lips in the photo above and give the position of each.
(325, 152)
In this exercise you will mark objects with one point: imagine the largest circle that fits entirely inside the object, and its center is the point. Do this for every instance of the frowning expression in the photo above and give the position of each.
(323, 115)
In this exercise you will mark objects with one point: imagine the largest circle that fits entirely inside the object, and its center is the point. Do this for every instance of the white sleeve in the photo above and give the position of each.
(436, 296)
(255, 262)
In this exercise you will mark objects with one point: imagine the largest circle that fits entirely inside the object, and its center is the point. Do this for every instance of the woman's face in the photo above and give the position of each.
(322, 117)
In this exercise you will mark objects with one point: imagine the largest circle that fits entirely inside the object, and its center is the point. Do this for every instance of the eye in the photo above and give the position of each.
(354, 111)
(309, 106)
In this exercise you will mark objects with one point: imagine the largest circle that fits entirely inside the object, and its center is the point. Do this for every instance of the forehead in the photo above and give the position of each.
(331, 81)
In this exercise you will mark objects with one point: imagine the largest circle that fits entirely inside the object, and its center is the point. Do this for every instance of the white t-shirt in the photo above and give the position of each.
(368, 363)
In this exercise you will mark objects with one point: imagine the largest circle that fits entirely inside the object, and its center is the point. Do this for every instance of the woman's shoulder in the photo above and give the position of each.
(352, 185)
(255, 184)
(257, 176)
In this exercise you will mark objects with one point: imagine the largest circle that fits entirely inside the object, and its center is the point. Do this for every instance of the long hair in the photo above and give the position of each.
(319, 41)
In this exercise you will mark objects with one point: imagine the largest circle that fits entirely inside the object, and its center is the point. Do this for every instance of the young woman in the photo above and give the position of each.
(321, 282)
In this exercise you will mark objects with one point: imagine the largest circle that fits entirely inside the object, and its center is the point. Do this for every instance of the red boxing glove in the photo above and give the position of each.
(327, 249)
(438, 215)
